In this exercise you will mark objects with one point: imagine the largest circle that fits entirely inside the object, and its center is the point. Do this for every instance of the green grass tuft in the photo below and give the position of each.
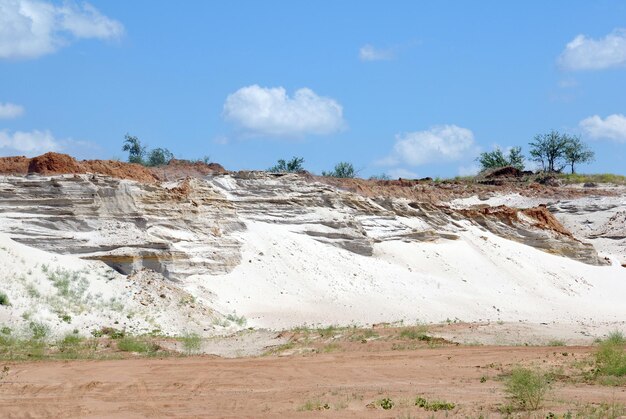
(526, 388)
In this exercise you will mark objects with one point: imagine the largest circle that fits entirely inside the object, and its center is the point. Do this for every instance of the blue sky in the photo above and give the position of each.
(404, 88)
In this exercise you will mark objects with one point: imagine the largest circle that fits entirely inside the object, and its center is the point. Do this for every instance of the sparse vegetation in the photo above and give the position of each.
(192, 342)
(610, 358)
(133, 344)
(312, 405)
(385, 403)
(526, 388)
(4, 299)
(593, 179)
(433, 405)
(496, 158)
(288, 166)
(415, 333)
(238, 320)
(39, 330)
(341, 170)
(137, 153)
(159, 157)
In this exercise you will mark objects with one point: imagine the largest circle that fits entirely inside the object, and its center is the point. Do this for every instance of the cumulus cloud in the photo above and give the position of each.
(584, 53)
(613, 127)
(10, 110)
(370, 53)
(32, 28)
(270, 111)
(440, 143)
(470, 170)
(28, 143)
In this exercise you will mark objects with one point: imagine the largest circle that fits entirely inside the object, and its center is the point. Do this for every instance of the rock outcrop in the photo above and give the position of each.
(191, 226)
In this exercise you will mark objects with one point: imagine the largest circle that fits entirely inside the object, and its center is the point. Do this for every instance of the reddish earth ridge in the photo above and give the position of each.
(56, 164)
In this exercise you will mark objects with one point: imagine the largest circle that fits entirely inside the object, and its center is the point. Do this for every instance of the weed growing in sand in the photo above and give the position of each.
(385, 403)
(187, 300)
(327, 332)
(312, 405)
(4, 299)
(238, 320)
(131, 344)
(611, 356)
(331, 347)
(415, 333)
(556, 342)
(526, 388)
(39, 330)
(32, 291)
(192, 342)
(602, 411)
(433, 405)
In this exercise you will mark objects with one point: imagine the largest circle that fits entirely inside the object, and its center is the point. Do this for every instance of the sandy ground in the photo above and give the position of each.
(287, 386)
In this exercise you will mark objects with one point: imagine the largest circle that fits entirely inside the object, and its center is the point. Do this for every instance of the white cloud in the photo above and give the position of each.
(10, 110)
(270, 111)
(401, 173)
(470, 170)
(31, 28)
(568, 83)
(440, 143)
(613, 127)
(370, 53)
(28, 143)
(584, 53)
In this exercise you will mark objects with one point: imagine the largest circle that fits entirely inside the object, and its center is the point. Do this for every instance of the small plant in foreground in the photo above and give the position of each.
(312, 405)
(433, 405)
(39, 330)
(415, 333)
(611, 356)
(386, 403)
(130, 344)
(4, 299)
(192, 342)
(238, 320)
(526, 388)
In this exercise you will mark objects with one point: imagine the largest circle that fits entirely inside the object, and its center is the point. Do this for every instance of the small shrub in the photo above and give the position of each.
(4, 299)
(71, 340)
(341, 170)
(130, 344)
(238, 320)
(386, 403)
(526, 388)
(111, 332)
(415, 333)
(192, 342)
(39, 330)
(312, 405)
(434, 405)
(611, 356)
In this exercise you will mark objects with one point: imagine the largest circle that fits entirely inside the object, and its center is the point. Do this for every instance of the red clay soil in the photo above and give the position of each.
(338, 385)
(542, 218)
(56, 164)
(14, 165)
(438, 192)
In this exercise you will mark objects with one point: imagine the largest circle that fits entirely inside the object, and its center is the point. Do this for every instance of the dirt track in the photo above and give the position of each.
(282, 386)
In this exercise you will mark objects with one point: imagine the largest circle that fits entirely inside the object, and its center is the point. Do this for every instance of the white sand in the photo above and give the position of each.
(288, 279)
